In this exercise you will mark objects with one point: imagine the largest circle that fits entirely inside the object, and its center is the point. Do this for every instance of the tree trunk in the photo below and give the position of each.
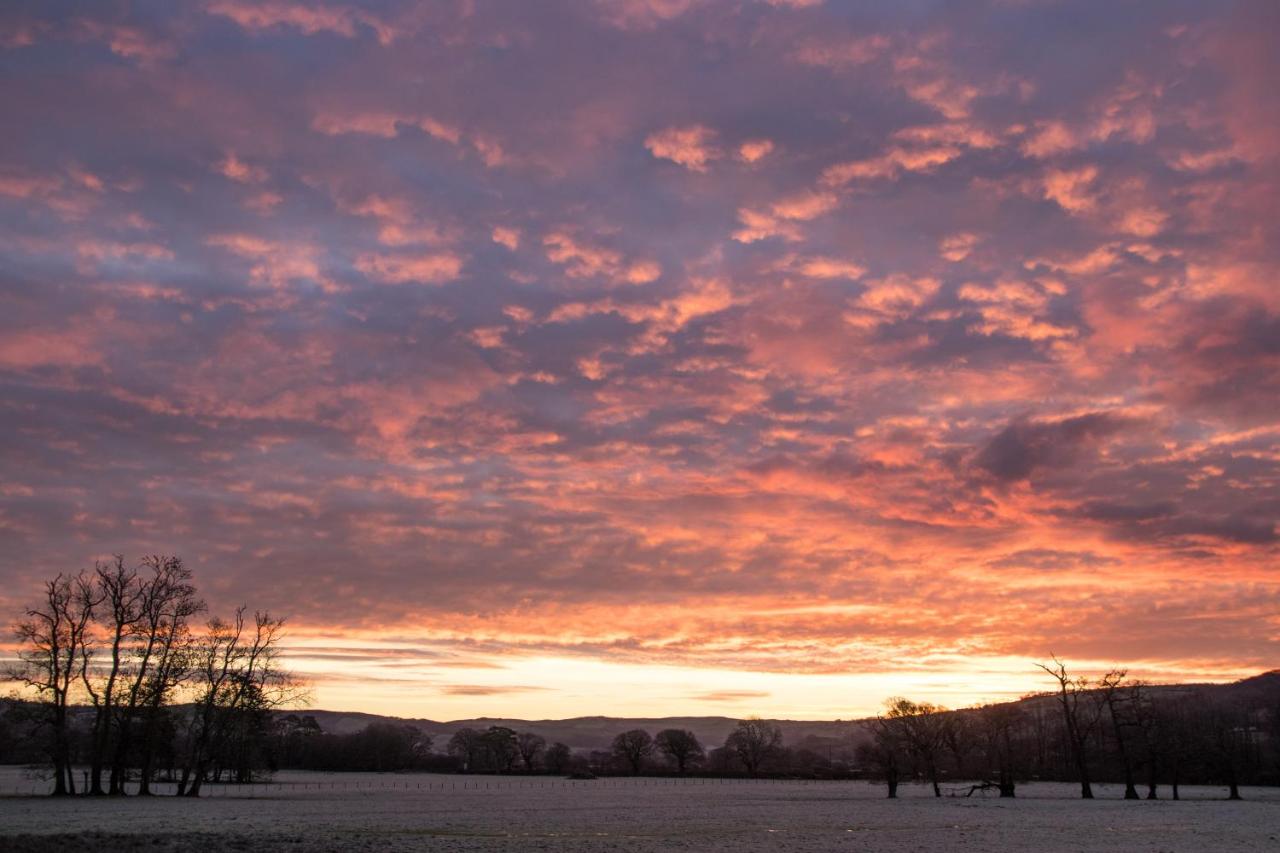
(119, 765)
(197, 777)
(1130, 790)
(144, 777)
(893, 788)
(1082, 765)
(1082, 762)
(62, 782)
(98, 739)
(102, 724)
(1007, 782)
(1233, 780)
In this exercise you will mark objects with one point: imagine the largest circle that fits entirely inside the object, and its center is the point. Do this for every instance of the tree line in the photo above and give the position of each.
(386, 746)
(130, 680)
(127, 684)
(1108, 729)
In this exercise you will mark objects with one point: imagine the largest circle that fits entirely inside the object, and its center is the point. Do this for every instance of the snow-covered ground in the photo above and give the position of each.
(316, 811)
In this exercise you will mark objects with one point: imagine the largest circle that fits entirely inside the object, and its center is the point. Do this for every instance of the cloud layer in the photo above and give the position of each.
(759, 337)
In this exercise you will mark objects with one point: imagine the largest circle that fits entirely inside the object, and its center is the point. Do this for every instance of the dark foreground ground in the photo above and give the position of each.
(321, 812)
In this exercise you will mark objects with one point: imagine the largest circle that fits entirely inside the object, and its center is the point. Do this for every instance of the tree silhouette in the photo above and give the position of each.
(754, 741)
(530, 747)
(1080, 716)
(680, 746)
(633, 747)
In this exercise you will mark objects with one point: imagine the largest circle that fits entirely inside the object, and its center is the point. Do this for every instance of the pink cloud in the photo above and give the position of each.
(1072, 189)
(432, 268)
(842, 54)
(583, 259)
(235, 169)
(309, 19)
(755, 150)
(692, 147)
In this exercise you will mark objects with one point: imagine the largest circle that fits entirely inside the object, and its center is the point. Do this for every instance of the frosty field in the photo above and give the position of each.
(323, 812)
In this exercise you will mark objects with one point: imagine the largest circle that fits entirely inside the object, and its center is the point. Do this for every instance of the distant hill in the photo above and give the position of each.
(584, 733)
(588, 733)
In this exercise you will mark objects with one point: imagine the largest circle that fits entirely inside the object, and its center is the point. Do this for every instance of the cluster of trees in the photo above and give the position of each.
(395, 747)
(1112, 728)
(754, 747)
(636, 749)
(380, 747)
(502, 750)
(162, 695)
(499, 749)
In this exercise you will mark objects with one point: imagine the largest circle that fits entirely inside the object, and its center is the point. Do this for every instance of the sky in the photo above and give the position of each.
(655, 356)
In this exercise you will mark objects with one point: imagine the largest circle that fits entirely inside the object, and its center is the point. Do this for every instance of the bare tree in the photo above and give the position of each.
(163, 657)
(1147, 741)
(119, 639)
(633, 747)
(1225, 737)
(238, 672)
(923, 729)
(1117, 697)
(885, 754)
(120, 595)
(680, 746)
(1080, 716)
(530, 747)
(54, 653)
(1178, 739)
(754, 741)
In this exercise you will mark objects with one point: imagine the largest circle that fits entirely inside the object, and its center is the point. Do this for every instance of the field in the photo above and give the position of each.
(323, 812)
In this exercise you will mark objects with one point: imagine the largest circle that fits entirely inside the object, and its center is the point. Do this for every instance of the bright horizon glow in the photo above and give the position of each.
(394, 679)
(738, 356)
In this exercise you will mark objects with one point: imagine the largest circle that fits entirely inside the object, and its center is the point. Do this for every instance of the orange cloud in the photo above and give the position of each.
(309, 19)
(432, 268)
(1072, 189)
(755, 150)
(233, 168)
(842, 54)
(692, 147)
(585, 260)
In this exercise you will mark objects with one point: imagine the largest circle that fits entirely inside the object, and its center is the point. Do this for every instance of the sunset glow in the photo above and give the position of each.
(655, 357)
